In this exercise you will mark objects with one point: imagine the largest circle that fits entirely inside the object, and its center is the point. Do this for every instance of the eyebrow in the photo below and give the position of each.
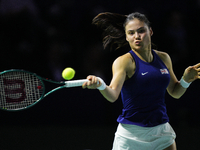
(137, 29)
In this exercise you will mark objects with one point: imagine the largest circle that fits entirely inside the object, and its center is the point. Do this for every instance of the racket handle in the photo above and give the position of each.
(75, 83)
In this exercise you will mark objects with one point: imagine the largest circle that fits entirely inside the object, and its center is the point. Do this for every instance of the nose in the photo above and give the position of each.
(137, 35)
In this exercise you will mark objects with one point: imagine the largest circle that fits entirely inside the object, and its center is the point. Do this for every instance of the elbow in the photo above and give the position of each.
(176, 96)
(113, 96)
(112, 100)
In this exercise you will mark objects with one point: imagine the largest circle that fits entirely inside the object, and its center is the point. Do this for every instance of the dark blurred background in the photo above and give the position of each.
(46, 36)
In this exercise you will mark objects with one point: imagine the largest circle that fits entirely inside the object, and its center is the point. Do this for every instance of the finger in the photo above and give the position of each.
(197, 65)
(94, 80)
(189, 68)
(84, 85)
(89, 77)
(89, 83)
(198, 69)
(97, 81)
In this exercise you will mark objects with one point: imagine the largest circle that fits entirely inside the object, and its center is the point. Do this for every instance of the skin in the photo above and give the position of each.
(138, 34)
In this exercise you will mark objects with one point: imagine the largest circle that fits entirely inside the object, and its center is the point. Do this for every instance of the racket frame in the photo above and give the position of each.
(64, 84)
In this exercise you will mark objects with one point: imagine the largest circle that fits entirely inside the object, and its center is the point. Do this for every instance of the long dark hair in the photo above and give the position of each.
(113, 26)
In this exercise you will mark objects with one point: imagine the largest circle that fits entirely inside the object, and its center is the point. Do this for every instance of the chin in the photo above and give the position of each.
(137, 48)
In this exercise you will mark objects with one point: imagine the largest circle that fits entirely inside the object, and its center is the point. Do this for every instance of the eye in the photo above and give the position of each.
(131, 33)
(141, 31)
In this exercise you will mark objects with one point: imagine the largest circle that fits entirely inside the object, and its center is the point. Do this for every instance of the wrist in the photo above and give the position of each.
(184, 83)
(103, 84)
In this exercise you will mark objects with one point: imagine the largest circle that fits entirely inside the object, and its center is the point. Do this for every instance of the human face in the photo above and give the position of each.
(138, 34)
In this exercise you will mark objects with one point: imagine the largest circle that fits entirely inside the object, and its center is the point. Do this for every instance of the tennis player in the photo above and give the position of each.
(142, 76)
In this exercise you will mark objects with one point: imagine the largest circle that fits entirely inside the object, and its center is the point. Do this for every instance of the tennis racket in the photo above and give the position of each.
(20, 89)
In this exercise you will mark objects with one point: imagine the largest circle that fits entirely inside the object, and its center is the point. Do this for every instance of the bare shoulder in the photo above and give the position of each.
(124, 60)
(126, 64)
(164, 57)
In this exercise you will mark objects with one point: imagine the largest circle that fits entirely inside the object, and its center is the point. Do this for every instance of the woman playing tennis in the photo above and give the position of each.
(142, 76)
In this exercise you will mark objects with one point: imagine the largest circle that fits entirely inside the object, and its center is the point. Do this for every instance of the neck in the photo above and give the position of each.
(145, 55)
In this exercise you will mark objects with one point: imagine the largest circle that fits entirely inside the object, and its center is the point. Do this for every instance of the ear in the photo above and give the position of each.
(151, 31)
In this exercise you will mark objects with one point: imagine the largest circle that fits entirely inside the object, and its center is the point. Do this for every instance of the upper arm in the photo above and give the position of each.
(120, 69)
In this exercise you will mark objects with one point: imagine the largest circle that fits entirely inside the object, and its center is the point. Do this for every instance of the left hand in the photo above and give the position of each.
(192, 73)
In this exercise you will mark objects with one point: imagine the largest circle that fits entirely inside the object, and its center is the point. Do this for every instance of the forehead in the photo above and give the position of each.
(135, 24)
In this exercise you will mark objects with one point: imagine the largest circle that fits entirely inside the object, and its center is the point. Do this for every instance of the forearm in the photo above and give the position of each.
(179, 88)
(110, 94)
(177, 91)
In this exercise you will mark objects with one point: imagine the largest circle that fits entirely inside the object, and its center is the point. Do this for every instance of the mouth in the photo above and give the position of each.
(137, 42)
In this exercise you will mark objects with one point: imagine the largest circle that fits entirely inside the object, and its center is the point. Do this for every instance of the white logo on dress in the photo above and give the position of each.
(144, 73)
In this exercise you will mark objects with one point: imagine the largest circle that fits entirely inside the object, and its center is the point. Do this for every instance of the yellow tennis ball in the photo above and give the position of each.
(68, 73)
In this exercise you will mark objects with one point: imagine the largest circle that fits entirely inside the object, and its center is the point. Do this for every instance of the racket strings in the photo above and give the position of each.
(19, 90)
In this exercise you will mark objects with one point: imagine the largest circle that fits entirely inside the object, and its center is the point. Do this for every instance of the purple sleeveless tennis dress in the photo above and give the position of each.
(143, 95)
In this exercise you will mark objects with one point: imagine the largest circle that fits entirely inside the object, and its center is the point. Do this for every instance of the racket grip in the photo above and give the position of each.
(75, 83)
